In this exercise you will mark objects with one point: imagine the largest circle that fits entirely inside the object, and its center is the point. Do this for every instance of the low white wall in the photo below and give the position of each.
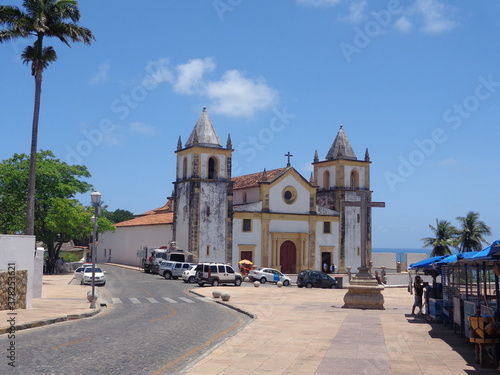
(415, 257)
(387, 260)
(126, 241)
(19, 250)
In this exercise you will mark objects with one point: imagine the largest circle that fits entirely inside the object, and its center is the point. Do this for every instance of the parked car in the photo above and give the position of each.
(315, 279)
(217, 273)
(78, 274)
(173, 270)
(87, 276)
(189, 275)
(268, 275)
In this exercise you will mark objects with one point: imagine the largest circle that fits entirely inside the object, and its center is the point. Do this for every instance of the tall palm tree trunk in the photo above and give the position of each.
(30, 207)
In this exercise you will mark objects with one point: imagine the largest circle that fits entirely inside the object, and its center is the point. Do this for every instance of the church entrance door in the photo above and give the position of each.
(288, 257)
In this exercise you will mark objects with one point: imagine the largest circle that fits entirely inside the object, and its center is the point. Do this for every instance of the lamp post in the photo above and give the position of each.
(96, 203)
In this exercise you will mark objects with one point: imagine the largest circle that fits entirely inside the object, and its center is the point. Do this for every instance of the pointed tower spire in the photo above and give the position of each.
(205, 132)
(264, 176)
(341, 148)
(229, 144)
(367, 155)
(316, 158)
(195, 137)
(179, 144)
(311, 179)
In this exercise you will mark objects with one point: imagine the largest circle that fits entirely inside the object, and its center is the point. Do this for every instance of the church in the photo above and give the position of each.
(275, 218)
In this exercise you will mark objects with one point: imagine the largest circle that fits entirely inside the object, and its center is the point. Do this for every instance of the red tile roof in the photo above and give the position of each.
(158, 216)
(154, 219)
(252, 180)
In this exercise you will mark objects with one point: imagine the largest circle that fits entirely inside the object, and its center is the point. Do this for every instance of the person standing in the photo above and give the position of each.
(418, 285)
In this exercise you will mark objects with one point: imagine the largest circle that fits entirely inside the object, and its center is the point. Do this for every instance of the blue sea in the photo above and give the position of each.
(400, 252)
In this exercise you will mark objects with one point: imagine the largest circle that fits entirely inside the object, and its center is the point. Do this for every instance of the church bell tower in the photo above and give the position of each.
(203, 194)
(340, 178)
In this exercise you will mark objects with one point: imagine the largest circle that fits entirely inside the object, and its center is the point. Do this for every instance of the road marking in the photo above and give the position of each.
(170, 300)
(203, 299)
(134, 300)
(116, 300)
(152, 300)
(186, 299)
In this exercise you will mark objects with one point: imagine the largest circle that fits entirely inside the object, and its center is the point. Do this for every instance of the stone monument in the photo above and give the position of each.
(364, 292)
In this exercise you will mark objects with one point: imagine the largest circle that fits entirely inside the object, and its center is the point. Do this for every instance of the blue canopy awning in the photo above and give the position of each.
(455, 258)
(426, 263)
(489, 253)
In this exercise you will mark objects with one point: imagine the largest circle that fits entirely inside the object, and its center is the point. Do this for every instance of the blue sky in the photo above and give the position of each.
(417, 83)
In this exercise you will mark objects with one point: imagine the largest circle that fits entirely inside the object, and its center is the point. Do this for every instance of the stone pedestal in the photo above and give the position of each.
(364, 292)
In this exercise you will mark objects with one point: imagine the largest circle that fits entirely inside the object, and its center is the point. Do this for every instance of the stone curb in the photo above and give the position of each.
(41, 323)
(240, 310)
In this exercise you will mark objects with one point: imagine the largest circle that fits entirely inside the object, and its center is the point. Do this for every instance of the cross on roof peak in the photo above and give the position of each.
(289, 156)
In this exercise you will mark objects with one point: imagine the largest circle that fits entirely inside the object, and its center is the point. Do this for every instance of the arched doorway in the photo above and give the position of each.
(288, 257)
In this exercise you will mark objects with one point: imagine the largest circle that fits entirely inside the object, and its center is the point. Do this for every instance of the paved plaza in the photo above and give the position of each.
(298, 331)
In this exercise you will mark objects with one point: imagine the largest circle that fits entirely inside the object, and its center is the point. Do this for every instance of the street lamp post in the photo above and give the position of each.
(96, 202)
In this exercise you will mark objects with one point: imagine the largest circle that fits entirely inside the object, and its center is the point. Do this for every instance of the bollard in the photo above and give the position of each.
(216, 293)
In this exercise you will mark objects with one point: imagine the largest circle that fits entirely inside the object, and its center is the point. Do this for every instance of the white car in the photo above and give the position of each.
(79, 271)
(87, 276)
(189, 275)
(270, 275)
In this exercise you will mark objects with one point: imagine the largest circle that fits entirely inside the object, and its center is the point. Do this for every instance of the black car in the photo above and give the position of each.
(315, 279)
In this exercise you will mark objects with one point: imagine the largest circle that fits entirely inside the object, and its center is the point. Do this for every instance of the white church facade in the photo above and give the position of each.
(275, 218)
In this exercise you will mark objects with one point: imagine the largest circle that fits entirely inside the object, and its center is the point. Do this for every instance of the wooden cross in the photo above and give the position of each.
(363, 205)
(289, 155)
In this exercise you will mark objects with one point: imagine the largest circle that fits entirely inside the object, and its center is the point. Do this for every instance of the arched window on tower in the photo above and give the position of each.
(212, 168)
(326, 180)
(354, 180)
(184, 168)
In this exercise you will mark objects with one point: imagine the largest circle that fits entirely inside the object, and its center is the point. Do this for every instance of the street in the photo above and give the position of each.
(151, 326)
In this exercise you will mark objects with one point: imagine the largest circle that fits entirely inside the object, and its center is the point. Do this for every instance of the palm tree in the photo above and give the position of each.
(471, 235)
(41, 18)
(445, 234)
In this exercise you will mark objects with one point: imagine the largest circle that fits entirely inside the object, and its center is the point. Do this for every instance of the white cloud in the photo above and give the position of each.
(141, 128)
(403, 24)
(318, 3)
(190, 78)
(235, 95)
(158, 72)
(102, 73)
(435, 15)
(356, 12)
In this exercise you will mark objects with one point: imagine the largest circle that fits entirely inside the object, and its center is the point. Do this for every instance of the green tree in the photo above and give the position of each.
(444, 238)
(40, 19)
(59, 217)
(472, 232)
(119, 215)
(67, 219)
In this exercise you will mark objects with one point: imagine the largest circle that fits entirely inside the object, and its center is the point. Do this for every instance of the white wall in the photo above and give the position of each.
(277, 204)
(125, 242)
(384, 260)
(325, 239)
(19, 250)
